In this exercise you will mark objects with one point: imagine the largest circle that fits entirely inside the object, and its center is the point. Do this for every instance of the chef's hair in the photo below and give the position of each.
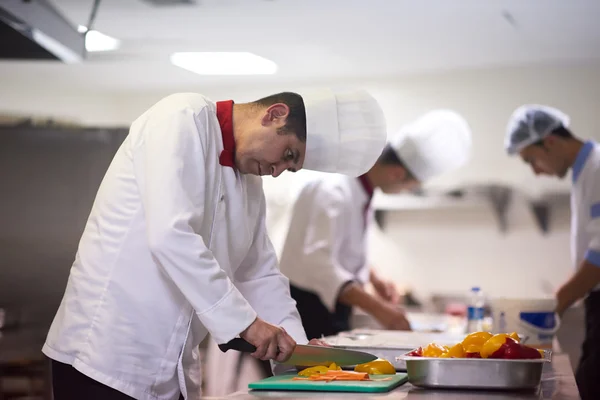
(561, 132)
(389, 156)
(296, 119)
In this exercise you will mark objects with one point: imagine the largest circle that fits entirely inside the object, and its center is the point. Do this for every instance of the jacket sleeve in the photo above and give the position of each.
(593, 227)
(266, 288)
(171, 174)
(324, 242)
(363, 274)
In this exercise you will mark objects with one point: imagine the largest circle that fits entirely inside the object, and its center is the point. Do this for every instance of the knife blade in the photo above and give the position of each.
(308, 355)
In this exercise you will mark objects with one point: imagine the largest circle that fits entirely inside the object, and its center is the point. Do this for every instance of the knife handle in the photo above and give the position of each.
(239, 345)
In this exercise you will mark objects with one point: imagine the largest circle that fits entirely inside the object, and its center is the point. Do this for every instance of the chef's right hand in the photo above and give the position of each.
(393, 318)
(271, 342)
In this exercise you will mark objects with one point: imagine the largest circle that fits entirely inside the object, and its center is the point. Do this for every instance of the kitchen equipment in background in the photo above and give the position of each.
(533, 318)
(475, 373)
(308, 355)
(390, 344)
(381, 383)
(419, 321)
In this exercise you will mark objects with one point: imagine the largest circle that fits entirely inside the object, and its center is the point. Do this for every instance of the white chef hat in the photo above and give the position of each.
(437, 142)
(345, 131)
(529, 124)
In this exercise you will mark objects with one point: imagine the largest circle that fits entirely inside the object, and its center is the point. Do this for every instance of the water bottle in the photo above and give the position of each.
(475, 310)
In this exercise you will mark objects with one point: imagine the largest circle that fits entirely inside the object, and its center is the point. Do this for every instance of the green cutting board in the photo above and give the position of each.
(285, 382)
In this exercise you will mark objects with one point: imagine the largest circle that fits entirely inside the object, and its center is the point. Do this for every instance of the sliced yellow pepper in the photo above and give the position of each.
(319, 369)
(335, 367)
(475, 340)
(376, 367)
(434, 350)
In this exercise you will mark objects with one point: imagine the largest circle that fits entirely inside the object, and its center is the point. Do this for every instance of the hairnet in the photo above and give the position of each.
(531, 123)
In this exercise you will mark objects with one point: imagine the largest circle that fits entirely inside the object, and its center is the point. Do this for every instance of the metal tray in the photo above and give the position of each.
(475, 373)
(390, 354)
(389, 344)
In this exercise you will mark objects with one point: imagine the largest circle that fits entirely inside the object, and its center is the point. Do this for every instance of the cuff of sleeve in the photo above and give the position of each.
(330, 295)
(593, 257)
(296, 331)
(229, 317)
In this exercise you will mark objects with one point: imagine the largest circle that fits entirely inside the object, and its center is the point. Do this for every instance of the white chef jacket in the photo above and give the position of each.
(326, 242)
(585, 206)
(175, 247)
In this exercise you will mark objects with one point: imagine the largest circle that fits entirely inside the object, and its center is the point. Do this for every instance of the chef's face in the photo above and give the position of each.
(397, 179)
(267, 148)
(545, 158)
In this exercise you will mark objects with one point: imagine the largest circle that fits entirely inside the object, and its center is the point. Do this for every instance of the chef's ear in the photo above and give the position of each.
(276, 114)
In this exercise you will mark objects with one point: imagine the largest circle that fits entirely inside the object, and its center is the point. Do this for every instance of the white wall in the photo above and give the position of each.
(450, 250)
(431, 250)
(485, 97)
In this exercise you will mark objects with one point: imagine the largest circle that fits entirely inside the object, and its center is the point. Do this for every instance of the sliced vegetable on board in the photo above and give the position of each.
(377, 367)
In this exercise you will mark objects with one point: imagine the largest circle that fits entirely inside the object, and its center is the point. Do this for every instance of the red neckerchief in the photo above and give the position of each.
(225, 117)
(368, 187)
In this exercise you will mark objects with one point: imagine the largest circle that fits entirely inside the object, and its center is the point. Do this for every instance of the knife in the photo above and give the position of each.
(308, 355)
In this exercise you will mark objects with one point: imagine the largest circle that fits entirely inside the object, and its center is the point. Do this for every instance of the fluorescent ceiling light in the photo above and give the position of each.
(224, 63)
(96, 41)
(65, 53)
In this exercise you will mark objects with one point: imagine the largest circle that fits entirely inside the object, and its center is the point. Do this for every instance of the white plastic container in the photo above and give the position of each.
(533, 319)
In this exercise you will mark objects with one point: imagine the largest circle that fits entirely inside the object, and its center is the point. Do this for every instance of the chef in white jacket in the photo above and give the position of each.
(324, 253)
(175, 246)
(541, 136)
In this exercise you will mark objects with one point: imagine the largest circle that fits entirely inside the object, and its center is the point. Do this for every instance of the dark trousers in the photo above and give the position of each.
(70, 384)
(588, 371)
(317, 320)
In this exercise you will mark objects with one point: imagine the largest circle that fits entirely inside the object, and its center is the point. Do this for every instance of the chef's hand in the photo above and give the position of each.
(392, 318)
(319, 342)
(387, 291)
(271, 342)
(384, 288)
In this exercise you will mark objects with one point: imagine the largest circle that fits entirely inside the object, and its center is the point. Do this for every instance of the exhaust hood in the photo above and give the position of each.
(35, 30)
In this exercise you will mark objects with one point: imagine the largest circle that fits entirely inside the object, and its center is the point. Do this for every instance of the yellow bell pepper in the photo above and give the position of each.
(434, 350)
(319, 369)
(493, 344)
(515, 336)
(376, 367)
(335, 367)
(476, 339)
(456, 351)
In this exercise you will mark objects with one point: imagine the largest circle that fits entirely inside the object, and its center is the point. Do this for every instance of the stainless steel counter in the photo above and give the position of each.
(558, 382)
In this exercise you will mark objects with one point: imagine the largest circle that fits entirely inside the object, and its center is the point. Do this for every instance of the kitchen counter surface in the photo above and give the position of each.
(558, 382)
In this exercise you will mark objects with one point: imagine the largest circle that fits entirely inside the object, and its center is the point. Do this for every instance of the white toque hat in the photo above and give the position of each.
(345, 131)
(437, 142)
(531, 123)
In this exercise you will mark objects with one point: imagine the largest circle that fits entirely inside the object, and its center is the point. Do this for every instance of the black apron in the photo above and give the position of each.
(588, 371)
(70, 384)
(317, 320)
